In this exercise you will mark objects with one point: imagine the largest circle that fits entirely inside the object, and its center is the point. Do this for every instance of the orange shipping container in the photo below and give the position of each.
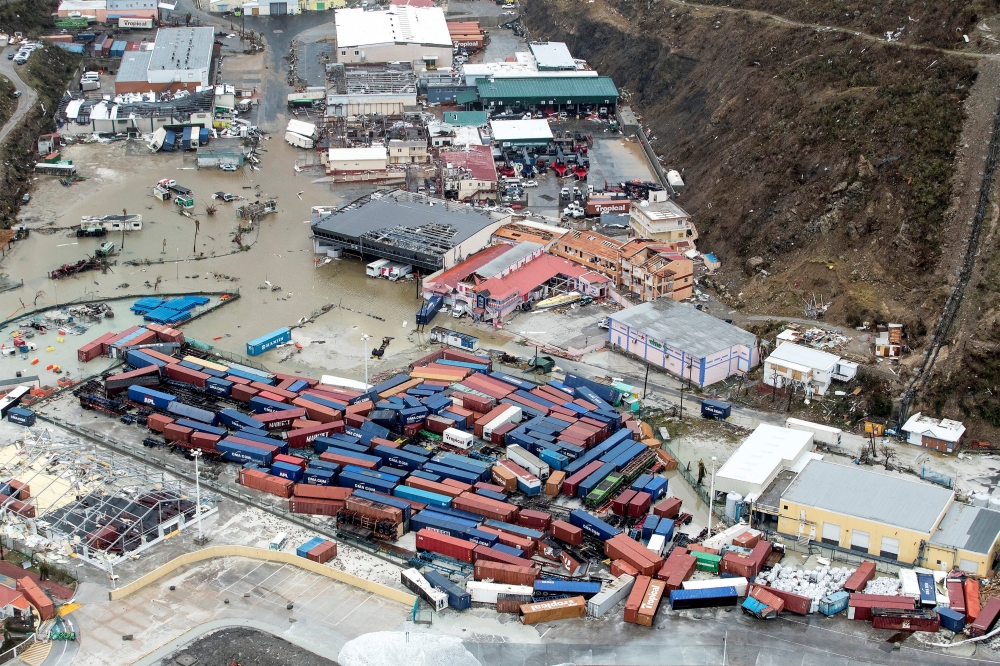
(504, 477)
(650, 602)
(556, 609)
(37, 597)
(554, 483)
(635, 598)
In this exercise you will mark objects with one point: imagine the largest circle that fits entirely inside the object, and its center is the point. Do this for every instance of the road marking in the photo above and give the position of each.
(353, 609)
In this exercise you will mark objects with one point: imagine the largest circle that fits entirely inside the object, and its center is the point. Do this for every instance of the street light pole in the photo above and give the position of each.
(197, 490)
(365, 338)
(711, 498)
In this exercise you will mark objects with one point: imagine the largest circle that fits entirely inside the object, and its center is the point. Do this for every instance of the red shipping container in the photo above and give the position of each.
(507, 528)
(572, 483)
(363, 408)
(432, 486)
(306, 490)
(318, 412)
(486, 507)
(378, 441)
(303, 437)
(457, 485)
(794, 603)
(243, 393)
(635, 598)
(323, 553)
(668, 508)
(316, 507)
(94, 348)
(748, 539)
(503, 476)
(475, 403)
(283, 384)
(650, 603)
(438, 424)
(971, 599)
(346, 460)
(507, 574)
(762, 595)
(37, 598)
(620, 504)
(445, 545)
(490, 416)
(252, 478)
(23, 489)
(280, 420)
(620, 547)
(181, 374)
(512, 540)
(860, 578)
(536, 520)
(284, 396)
(586, 405)
(678, 568)
(413, 429)
(486, 553)
(354, 420)
(304, 423)
(157, 422)
(956, 596)
(498, 434)
(283, 377)
(986, 618)
(531, 404)
(623, 568)
(859, 606)
(175, 433)
(291, 460)
(906, 620)
(205, 441)
(242, 381)
(567, 533)
(560, 410)
(482, 485)
(465, 357)
(121, 336)
(268, 395)
(639, 504)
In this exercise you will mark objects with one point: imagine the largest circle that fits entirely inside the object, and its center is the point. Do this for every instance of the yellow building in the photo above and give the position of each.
(891, 518)
(320, 5)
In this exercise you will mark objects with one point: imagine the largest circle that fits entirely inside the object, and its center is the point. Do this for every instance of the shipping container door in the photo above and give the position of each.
(831, 534)
(279, 8)
(890, 548)
(860, 541)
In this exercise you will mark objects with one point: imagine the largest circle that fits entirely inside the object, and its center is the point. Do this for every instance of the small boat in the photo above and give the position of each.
(556, 301)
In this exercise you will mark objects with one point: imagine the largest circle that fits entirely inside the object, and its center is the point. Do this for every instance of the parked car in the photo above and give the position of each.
(531, 183)
(228, 167)
(17, 93)
(10, 56)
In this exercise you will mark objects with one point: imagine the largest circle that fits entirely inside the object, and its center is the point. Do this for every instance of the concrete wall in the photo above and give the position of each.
(267, 556)
(395, 53)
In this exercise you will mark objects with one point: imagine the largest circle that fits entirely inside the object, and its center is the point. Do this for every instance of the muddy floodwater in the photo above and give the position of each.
(121, 176)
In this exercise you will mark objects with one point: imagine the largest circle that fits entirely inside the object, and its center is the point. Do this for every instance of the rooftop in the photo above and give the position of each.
(449, 279)
(514, 254)
(466, 118)
(944, 429)
(514, 130)
(968, 527)
(571, 87)
(371, 78)
(852, 491)
(531, 276)
(536, 233)
(134, 66)
(373, 152)
(763, 454)
(396, 25)
(552, 55)
(182, 48)
(477, 159)
(593, 243)
(808, 357)
(684, 327)
(661, 211)
(222, 146)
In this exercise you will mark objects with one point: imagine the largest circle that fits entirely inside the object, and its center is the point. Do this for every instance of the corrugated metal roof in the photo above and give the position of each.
(549, 87)
(133, 66)
(466, 118)
(967, 527)
(861, 493)
(514, 254)
(684, 327)
(552, 55)
(182, 48)
(805, 356)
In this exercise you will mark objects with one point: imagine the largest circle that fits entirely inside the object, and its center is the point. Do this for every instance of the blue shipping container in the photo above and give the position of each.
(417, 495)
(951, 620)
(261, 405)
(304, 549)
(147, 396)
(837, 602)
(437, 523)
(196, 413)
(703, 598)
(649, 525)
(319, 477)
(593, 525)
(217, 386)
(349, 480)
(323, 464)
(269, 341)
(482, 538)
(554, 587)
(458, 598)
(241, 453)
(657, 488)
(397, 458)
(286, 471)
(21, 416)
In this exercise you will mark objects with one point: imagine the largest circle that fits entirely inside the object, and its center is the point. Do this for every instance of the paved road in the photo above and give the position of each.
(28, 96)
(64, 652)
(828, 28)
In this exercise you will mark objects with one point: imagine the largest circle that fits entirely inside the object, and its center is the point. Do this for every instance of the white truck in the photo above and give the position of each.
(528, 461)
(298, 140)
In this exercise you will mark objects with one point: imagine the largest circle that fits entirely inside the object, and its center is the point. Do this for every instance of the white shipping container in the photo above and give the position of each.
(656, 543)
(739, 583)
(414, 581)
(512, 415)
(606, 599)
(374, 269)
(528, 461)
(298, 140)
(486, 593)
(299, 127)
(821, 433)
(456, 437)
(910, 587)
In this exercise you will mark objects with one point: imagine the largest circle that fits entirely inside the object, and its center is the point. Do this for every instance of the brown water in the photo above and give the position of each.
(122, 177)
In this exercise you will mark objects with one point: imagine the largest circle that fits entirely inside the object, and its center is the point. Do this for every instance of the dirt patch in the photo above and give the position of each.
(248, 647)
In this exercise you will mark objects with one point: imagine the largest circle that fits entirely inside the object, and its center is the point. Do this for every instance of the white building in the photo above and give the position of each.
(931, 433)
(357, 160)
(521, 132)
(814, 369)
(767, 451)
(181, 59)
(397, 34)
(662, 220)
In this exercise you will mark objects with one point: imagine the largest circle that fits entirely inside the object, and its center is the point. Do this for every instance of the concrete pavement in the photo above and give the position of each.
(28, 95)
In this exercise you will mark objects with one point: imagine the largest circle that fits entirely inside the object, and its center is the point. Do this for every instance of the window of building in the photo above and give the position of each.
(890, 548)
(860, 541)
(357, 53)
(831, 534)
(343, 53)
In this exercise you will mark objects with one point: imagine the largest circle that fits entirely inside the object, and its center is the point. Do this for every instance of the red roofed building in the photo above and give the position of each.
(13, 603)
(651, 270)
(469, 174)
(541, 278)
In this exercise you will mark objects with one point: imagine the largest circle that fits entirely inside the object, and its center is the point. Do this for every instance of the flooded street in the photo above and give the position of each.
(121, 177)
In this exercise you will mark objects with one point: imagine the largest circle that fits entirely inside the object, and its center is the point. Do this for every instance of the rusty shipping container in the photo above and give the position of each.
(794, 603)
(556, 609)
(567, 533)
(316, 507)
(650, 603)
(510, 574)
(860, 578)
(635, 599)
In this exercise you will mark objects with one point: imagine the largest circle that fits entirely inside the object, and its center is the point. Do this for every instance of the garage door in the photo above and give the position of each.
(831, 534)
(890, 548)
(279, 8)
(860, 541)
(969, 566)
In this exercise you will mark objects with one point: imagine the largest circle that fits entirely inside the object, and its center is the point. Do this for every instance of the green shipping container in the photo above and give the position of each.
(706, 561)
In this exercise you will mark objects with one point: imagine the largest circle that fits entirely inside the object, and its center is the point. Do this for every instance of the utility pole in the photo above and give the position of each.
(711, 498)
(365, 338)
(197, 490)
(644, 382)
(124, 217)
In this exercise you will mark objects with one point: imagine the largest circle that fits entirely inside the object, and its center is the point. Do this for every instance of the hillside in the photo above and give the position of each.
(815, 162)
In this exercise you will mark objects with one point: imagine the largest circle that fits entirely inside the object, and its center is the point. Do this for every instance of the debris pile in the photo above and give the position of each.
(883, 586)
(814, 584)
